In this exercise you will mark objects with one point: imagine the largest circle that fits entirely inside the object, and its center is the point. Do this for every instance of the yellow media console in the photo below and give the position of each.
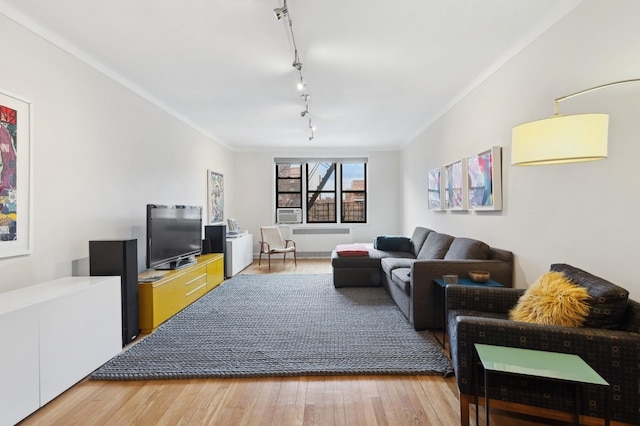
(173, 291)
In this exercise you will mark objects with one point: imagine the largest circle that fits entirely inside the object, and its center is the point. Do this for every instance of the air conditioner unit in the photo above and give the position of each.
(289, 216)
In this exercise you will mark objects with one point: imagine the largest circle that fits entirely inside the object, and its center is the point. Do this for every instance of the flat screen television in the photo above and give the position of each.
(174, 235)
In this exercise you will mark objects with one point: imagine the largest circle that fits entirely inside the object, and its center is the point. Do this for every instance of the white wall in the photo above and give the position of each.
(583, 214)
(255, 189)
(100, 153)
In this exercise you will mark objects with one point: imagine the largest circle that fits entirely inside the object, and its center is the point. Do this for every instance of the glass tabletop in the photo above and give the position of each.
(553, 365)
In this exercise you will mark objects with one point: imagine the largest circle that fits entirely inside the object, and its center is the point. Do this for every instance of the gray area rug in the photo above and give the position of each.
(282, 325)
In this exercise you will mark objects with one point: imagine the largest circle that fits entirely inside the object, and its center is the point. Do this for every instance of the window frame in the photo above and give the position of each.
(278, 191)
(334, 191)
(337, 191)
(343, 191)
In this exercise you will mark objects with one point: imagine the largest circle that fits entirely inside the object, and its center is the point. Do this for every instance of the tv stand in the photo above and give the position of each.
(177, 264)
(164, 297)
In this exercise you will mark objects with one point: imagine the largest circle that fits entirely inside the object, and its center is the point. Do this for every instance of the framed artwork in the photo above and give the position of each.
(16, 130)
(485, 179)
(435, 189)
(455, 177)
(215, 189)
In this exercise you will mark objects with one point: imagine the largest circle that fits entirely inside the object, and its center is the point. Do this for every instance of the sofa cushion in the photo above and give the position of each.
(608, 301)
(467, 248)
(401, 277)
(435, 246)
(553, 300)
(418, 238)
(392, 243)
(391, 263)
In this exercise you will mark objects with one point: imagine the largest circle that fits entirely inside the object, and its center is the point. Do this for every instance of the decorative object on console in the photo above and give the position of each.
(16, 124)
(485, 179)
(563, 138)
(215, 189)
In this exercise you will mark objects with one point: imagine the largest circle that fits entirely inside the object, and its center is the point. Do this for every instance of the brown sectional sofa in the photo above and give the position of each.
(406, 268)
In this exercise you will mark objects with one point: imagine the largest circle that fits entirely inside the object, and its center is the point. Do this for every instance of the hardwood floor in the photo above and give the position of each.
(316, 400)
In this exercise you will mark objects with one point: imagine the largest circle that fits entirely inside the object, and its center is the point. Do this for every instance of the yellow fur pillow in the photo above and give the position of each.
(553, 300)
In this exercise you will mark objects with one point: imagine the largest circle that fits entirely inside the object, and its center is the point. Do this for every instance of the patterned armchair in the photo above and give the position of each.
(480, 315)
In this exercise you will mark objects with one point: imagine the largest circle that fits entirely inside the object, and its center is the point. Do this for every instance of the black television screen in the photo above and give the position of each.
(174, 235)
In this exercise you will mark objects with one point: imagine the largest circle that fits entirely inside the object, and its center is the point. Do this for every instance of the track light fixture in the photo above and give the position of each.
(281, 12)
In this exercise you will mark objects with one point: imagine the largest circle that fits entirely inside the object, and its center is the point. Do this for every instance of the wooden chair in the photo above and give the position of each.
(271, 242)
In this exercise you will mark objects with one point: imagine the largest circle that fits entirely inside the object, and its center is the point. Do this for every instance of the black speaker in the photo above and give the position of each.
(119, 257)
(217, 237)
(206, 246)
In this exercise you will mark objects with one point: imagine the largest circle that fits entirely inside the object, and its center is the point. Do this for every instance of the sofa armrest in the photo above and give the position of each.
(487, 299)
(613, 354)
(423, 313)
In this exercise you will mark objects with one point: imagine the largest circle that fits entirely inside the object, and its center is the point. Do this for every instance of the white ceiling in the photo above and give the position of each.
(378, 71)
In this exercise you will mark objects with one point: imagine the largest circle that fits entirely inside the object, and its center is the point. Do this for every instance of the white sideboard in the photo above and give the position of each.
(239, 254)
(54, 334)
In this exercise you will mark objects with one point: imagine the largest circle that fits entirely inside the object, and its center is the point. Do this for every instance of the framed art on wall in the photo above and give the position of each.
(455, 177)
(434, 186)
(16, 130)
(215, 189)
(485, 179)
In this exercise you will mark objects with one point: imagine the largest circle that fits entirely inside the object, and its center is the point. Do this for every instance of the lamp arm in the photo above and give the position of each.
(582, 92)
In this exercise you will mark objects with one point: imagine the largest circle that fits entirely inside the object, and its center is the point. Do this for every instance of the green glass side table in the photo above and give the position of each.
(554, 366)
(440, 298)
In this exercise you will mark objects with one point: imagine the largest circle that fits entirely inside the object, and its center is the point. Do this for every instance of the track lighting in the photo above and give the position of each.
(280, 12)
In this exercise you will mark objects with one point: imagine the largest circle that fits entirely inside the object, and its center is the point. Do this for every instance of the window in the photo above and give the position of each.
(353, 184)
(330, 191)
(289, 185)
(321, 193)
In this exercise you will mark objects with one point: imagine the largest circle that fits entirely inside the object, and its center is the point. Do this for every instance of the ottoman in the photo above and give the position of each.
(362, 270)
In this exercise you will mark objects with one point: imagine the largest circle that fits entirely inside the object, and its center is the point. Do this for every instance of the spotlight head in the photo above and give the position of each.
(280, 12)
(303, 113)
(310, 138)
(297, 65)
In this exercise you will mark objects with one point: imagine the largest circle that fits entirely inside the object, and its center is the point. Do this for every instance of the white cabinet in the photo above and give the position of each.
(239, 254)
(55, 333)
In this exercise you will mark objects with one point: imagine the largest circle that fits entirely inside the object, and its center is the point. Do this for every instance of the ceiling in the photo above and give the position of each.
(377, 71)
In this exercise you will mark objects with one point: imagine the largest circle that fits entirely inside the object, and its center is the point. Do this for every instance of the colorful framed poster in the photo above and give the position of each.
(455, 177)
(485, 179)
(16, 130)
(215, 189)
(435, 189)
